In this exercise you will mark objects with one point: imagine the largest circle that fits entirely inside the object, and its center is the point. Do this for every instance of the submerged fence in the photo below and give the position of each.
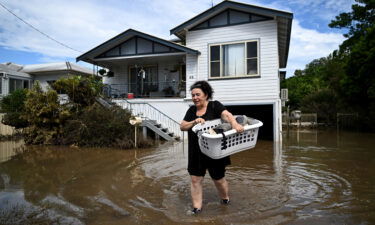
(306, 120)
(344, 121)
(347, 121)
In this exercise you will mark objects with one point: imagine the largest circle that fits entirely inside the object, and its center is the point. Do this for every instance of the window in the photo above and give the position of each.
(215, 61)
(234, 60)
(15, 84)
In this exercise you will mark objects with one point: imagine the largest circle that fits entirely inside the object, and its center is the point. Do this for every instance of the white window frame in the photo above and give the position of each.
(245, 59)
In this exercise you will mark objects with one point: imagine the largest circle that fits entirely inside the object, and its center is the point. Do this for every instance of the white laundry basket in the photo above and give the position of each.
(217, 146)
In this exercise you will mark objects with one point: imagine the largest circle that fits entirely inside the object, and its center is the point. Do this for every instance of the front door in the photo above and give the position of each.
(143, 80)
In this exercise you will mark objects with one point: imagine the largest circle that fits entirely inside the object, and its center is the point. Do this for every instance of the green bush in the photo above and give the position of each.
(82, 121)
(44, 115)
(82, 91)
(97, 126)
(13, 106)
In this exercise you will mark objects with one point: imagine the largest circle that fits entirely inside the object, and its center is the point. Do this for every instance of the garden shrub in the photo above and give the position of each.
(98, 126)
(82, 121)
(13, 105)
(44, 115)
(82, 91)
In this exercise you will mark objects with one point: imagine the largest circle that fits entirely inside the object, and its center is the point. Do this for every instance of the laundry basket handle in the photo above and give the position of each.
(224, 142)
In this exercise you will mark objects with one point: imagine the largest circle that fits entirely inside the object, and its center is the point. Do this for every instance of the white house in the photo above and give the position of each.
(14, 76)
(239, 48)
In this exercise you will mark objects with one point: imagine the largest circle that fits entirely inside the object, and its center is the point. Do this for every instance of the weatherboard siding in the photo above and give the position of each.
(265, 87)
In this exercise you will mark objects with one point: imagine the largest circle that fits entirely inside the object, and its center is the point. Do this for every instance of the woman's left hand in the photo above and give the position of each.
(238, 127)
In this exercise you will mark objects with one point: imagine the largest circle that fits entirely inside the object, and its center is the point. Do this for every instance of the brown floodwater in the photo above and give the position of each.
(313, 177)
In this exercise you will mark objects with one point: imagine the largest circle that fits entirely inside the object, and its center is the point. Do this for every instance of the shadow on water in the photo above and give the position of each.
(313, 177)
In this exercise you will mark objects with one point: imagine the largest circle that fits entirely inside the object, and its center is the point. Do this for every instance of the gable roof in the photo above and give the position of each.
(283, 19)
(39, 69)
(13, 70)
(124, 36)
(58, 66)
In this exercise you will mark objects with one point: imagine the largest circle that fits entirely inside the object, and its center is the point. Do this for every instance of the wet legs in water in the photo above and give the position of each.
(197, 190)
(222, 188)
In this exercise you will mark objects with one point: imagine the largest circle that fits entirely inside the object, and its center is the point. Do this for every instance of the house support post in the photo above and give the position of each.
(144, 133)
(287, 121)
(135, 136)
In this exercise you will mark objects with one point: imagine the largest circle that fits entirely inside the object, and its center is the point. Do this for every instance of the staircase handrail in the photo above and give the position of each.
(162, 118)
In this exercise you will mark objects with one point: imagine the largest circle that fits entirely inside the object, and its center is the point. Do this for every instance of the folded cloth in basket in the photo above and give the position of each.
(221, 128)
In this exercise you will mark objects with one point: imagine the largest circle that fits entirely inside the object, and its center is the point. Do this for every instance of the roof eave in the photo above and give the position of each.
(284, 56)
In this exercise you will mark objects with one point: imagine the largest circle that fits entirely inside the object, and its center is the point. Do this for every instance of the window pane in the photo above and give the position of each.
(238, 17)
(144, 46)
(252, 49)
(12, 85)
(252, 66)
(215, 69)
(26, 84)
(215, 53)
(128, 48)
(219, 20)
(233, 59)
(19, 84)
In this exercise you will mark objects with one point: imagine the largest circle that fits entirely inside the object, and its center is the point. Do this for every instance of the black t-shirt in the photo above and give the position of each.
(197, 159)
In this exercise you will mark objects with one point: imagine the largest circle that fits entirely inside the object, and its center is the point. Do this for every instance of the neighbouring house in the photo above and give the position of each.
(239, 48)
(14, 76)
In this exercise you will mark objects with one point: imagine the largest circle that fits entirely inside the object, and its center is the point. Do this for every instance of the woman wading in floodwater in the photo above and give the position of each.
(198, 163)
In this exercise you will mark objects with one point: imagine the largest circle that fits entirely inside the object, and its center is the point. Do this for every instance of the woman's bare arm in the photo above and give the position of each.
(228, 117)
(185, 125)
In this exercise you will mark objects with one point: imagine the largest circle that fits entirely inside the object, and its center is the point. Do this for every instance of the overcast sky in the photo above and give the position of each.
(84, 24)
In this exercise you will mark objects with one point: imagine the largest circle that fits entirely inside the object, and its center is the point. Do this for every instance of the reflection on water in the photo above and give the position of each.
(313, 177)
(9, 149)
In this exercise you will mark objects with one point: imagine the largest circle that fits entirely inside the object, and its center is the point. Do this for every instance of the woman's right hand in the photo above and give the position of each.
(199, 120)
(185, 126)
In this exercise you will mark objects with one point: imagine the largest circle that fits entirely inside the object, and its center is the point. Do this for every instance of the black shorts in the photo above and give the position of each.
(216, 173)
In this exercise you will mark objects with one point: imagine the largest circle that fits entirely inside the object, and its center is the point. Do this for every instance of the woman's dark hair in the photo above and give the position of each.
(204, 86)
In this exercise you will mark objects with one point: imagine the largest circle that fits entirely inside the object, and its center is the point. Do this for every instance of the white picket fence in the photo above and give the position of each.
(5, 129)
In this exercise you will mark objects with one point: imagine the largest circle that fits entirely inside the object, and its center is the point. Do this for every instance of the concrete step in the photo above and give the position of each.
(161, 131)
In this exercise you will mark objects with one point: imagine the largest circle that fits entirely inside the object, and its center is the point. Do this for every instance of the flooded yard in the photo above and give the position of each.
(313, 177)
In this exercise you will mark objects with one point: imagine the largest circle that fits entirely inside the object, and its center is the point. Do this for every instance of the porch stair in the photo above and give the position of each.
(158, 129)
(154, 119)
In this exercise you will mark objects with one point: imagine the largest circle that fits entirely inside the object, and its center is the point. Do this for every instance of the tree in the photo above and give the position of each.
(305, 82)
(358, 84)
(358, 22)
